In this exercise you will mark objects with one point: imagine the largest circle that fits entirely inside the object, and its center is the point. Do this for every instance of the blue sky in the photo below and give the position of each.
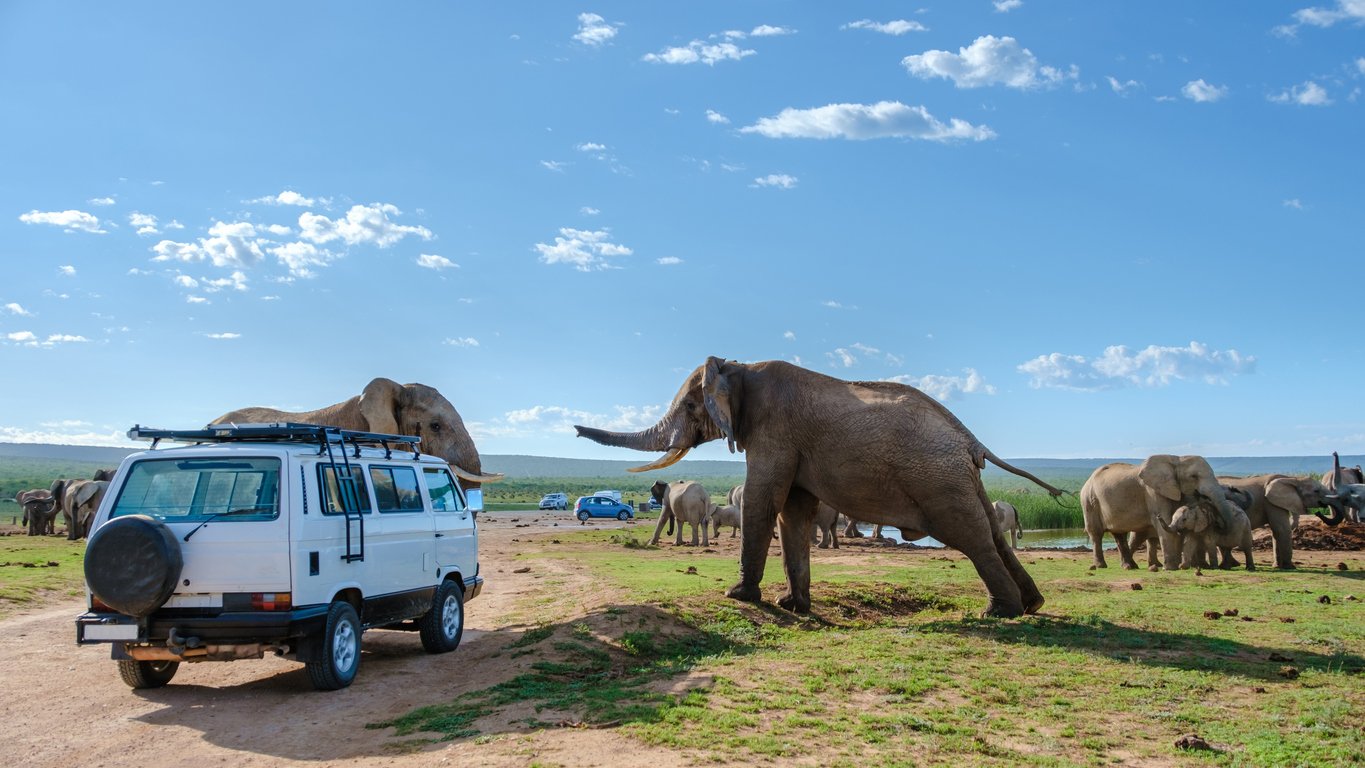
(1093, 229)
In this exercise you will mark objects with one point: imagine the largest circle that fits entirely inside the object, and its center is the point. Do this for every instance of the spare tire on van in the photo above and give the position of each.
(132, 564)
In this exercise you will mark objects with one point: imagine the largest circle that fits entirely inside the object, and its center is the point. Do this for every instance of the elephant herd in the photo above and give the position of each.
(1198, 518)
(76, 500)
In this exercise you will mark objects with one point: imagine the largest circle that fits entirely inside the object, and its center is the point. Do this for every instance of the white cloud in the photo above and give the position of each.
(363, 225)
(229, 244)
(1307, 94)
(185, 281)
(145, 223)
(66, 270)
(1345, 10)
(668, 261)
(1005, 6)
(287, 197)
(588, 210)
(780, 180)
(789, 336)
(885, 119)
(300, 258)
(1151, 367)
(467, 341)
(841, 356)
(1122, 88)
(586, 250)
(1202, 92)
(101, 201)
(236, 281)
(594, 31)
(699, 51)
(897, 27)
(768, 30)
(558, 419)
(989, 60)
(946, 388)
(224, 336)
(196, 300)
(591, 146)
(69, 221)
(432, 261)
(715, 117)
(1360, 65)
(115, 437)
(554, 165)
(1294, 203)
(30, 339)
(15, 308)
(853, 354)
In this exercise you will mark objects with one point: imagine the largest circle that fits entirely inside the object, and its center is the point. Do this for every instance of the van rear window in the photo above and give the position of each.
(192, 490)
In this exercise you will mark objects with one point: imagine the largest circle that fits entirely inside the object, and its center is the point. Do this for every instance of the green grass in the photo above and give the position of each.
(894, 666)
(32, 567)
(1037, 509)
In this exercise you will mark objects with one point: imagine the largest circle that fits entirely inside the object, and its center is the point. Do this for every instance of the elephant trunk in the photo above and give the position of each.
(1337, 514)
(664, 436)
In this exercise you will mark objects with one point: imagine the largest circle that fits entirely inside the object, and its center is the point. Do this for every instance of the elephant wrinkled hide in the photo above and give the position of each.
(887, 450)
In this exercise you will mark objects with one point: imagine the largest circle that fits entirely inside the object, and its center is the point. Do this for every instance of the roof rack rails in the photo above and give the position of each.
(276, 432)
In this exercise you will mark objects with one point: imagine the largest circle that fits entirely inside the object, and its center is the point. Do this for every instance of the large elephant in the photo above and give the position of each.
(1123, 499)
(1349, 476)
(887, 450)
(78, 500)
(726, 514)
(684, 501)
(391, 408)
(40, 511)
(1277, 501)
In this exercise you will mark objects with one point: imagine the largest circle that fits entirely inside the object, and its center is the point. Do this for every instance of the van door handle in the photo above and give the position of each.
(440, 535)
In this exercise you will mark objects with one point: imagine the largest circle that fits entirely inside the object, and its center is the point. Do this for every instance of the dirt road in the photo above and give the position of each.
(65, 705)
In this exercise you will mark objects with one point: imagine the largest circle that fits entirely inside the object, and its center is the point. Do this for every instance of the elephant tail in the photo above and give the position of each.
(985, 455)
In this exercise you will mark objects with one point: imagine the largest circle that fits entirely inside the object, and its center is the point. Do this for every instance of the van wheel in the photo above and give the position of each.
(146, 674)
(339, 657)
(583, 515)
(622, 515)
(443, 625)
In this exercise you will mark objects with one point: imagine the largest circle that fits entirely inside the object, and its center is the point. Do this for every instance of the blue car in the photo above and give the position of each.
(602, 506)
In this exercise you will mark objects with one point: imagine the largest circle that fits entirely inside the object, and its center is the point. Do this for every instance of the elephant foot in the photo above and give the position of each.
(822, 546)
(1250, 567)
(1032, 604)
(1000, 609)
(747, 593)
(1130, 566)
(1153, 567)
(1100, 564)
(793, 603)
(1290, 567)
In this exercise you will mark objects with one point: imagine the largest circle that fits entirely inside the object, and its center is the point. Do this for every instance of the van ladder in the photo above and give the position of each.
(350, 496)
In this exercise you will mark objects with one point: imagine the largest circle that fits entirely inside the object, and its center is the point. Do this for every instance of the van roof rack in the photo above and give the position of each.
(276, 432)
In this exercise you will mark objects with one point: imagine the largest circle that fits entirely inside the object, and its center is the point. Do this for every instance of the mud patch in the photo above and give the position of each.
(1314, 535)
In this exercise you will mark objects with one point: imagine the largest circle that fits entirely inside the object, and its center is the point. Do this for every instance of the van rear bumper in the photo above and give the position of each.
(229, 627)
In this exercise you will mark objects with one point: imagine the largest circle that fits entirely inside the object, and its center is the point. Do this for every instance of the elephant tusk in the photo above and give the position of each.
(669, 459)
(465, 474)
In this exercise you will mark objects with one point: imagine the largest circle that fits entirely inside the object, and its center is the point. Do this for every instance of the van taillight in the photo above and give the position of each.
(271, 601)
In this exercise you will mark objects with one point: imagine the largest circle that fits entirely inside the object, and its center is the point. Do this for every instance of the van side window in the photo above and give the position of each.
(331, 495)
(445, 496)
(395, 489)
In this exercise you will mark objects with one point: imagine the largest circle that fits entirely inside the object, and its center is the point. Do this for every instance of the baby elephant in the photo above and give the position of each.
(1008, 518)
(726, 515)
(1195, 524)
(826, 526)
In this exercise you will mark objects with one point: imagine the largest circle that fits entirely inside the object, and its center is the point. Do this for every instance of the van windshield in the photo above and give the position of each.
(192, 490)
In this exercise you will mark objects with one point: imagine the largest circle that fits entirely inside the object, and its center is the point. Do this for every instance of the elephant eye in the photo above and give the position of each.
(435, 426)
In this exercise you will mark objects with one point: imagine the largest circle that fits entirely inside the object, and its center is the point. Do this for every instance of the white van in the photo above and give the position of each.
(613, 495)
(283, 538)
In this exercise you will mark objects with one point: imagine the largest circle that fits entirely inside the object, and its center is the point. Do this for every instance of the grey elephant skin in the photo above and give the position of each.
(388, 407)
(78, 500)
(887, 450)
(1203, 543)
(1277, 502)
(40, 511)
(683, 501)
(1008, 518)
(1349, 476)
(1123, 499)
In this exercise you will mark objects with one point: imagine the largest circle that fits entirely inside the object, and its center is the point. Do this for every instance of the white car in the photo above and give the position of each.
(281, 538)
(554, 501)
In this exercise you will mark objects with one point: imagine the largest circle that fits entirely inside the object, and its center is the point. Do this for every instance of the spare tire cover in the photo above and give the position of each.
(132, 564)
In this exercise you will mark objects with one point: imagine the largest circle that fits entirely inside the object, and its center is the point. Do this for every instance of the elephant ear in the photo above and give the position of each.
(1283, 492)
(721, 398)
(89, 490)
(1158, 473)
(379, 403)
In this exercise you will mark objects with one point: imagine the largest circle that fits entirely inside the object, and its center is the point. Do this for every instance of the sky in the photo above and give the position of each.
(1090, 228)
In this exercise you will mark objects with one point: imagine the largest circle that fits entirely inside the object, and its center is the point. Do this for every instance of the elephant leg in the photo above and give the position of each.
(759, 515)
(1280, 532)
(1171, 550)
(970, 533)
(1097, 546)
(664, 516)
(794, 531)
(1125, 551)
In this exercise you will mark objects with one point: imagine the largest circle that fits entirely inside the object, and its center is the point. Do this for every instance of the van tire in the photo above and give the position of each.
(132, 564)
(146, 674)
(338, 657)
(442, 627)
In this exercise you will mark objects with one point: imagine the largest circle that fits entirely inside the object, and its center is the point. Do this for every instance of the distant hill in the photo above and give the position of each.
(519, 466)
